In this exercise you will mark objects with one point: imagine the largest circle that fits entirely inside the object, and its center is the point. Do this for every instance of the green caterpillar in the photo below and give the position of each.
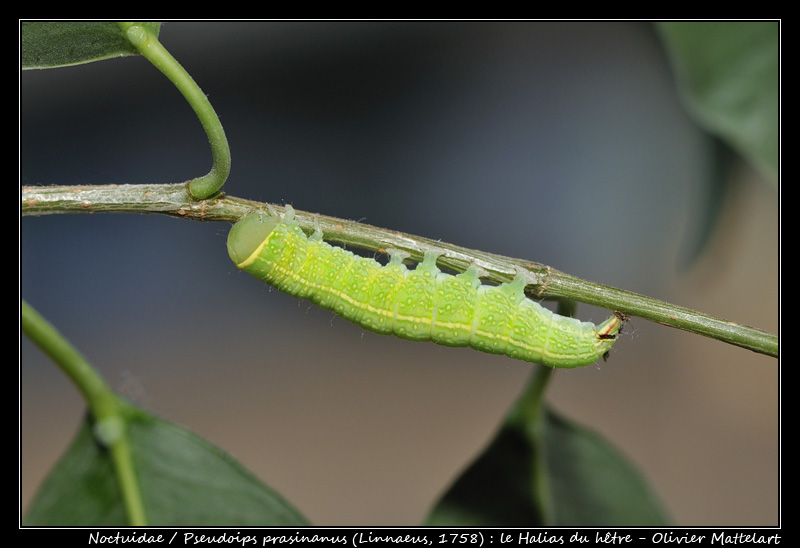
(422, 304)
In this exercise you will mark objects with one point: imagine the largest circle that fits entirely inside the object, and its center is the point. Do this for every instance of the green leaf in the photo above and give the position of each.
(47, 44)
(184, 480)
(548, 472)
(497, 490)
(729, 73)
(592, 483)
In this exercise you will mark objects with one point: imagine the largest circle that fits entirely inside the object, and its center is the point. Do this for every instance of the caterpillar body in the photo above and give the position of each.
(423, 304)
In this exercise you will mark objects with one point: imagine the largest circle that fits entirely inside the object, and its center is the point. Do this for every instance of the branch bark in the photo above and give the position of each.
(545, 282)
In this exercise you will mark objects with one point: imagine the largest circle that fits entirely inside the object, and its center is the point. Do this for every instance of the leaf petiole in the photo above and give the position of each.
(111, 424)
(148, 45)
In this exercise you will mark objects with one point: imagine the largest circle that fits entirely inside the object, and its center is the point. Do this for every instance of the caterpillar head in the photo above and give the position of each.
(247, 234)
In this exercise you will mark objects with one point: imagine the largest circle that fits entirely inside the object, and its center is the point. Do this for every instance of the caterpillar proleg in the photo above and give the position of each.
(422, 304)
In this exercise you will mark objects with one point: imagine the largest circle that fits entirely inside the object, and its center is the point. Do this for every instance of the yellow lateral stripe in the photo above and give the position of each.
(382, 312)
(253, 256)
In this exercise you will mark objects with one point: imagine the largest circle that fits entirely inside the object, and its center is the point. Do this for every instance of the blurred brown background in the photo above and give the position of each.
(564, 143)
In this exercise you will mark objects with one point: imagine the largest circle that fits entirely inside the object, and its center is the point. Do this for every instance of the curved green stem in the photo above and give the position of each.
(148, 45)
(528, 415)
(105, 406)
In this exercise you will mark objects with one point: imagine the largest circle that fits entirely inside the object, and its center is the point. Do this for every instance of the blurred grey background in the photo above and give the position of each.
(564, 143)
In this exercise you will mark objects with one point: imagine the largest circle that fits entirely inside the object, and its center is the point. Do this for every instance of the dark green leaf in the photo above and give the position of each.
(47, 44)
(497, 490)
(592, 483)
(730, 75)
(550, 474)
(184, 480)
